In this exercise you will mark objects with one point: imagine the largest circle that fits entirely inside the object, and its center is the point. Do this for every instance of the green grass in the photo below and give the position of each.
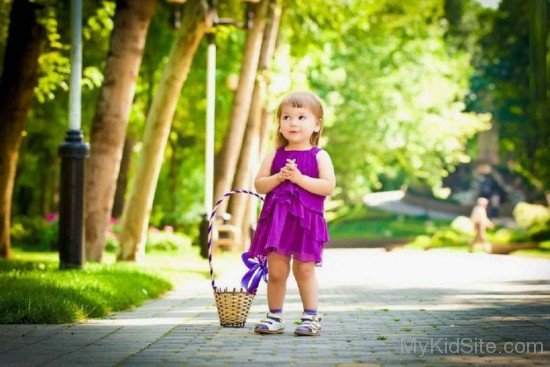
(368, 223)
(33, 290)
(539, 252)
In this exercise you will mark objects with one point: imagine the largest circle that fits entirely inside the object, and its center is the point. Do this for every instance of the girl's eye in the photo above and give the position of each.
(302, 117)
(286, 117)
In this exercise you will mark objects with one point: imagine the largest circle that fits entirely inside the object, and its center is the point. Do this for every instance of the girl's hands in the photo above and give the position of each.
(290, 172)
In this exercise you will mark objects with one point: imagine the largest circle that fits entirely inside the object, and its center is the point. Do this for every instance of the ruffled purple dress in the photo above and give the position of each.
(291, 222)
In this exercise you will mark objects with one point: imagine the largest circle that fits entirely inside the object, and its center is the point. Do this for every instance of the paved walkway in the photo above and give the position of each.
(398, 308)
(392, 201)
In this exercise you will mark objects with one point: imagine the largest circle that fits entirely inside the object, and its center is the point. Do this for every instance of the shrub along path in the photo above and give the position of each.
(380, 308)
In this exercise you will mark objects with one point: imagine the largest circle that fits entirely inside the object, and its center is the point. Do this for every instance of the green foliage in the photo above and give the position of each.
(34, 233)
(459, 235)
(55, 59)
(166, 241)
(111, 244)
(465, 24)
(508, 235)
(179, 199)
(54, 62)
(35, 192)
(5, 7)
(540, 232)
(541, 252)
(368, 224)
(369, 63)
(537, 233)
(462, 224)
(449, 237)
(530, 215)
(38, 165)
(500, 85)
(420, 242)
(157, 241)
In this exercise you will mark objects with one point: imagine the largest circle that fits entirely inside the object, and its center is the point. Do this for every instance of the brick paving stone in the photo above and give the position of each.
(376, 307)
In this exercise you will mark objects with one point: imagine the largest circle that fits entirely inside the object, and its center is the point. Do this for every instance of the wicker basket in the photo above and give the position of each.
(233, 305)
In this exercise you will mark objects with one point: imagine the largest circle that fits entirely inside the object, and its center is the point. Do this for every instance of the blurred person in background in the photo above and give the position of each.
(481, 222)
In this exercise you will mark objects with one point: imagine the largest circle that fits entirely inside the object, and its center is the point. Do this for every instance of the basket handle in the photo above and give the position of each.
(210, 224)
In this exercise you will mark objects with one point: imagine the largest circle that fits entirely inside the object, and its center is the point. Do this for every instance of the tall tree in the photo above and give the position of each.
(131, 23)
(229, 155)
(197, 18)
(19, 77)
(399, 123)
(122, 179)
(250, 152)
(503, 82)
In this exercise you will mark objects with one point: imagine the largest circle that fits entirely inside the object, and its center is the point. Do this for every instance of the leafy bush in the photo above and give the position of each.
(529, 215)
(540, 232)
(34, 233)
(111, 240)
(534, 227)
(421, 242)
(449, 237)
(463, 224)
(441, 238)
(508, 235)
(111, 244)
(166, 241)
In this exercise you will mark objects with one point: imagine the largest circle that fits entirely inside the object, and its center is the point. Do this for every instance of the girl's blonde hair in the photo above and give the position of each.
(301, 99)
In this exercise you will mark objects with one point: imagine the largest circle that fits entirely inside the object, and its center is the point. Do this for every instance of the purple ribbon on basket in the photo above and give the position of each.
(257, 269)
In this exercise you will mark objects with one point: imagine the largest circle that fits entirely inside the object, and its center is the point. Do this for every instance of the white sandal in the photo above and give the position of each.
(311, 325)
(273, 323)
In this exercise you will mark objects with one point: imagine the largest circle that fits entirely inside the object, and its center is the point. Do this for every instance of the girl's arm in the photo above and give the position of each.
(325, 184)
(264, 181)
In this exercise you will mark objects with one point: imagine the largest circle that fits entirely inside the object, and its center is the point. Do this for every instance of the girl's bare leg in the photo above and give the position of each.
(307, 283)
(279, 269)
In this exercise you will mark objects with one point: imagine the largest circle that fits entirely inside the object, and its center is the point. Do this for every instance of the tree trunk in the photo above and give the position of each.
(19, 77)
(135, 218)
(266, 117)
(131, 23)
(173, 173)
(249, 161)
(122, 180)
(265, 130)
(249, 205)
(233, 139)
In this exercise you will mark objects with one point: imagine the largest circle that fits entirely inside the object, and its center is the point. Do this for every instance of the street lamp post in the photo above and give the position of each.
(73, 152)
(209, 146)
(210, 117)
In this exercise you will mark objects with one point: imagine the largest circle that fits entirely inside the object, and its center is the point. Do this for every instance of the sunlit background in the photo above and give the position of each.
(429, 106)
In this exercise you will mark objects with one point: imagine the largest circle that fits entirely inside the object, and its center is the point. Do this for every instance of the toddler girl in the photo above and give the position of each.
(296, 177)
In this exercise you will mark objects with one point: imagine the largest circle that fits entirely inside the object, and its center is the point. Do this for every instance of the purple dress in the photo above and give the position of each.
(291, 222)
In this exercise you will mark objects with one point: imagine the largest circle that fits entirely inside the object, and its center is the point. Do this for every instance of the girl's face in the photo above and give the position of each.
(298, 124)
